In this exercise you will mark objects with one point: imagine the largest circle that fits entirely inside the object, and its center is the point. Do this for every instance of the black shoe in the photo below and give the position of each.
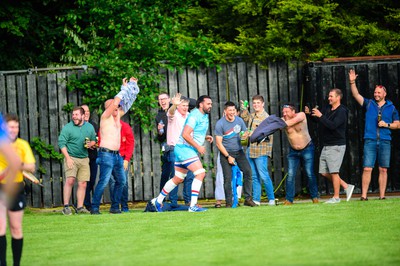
(118, 211)
(382, 198)
(249, 202)
(363, 199)
(95, 212)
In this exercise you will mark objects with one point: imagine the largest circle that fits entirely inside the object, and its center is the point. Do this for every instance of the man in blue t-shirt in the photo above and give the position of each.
(227, 131)
(381, 116)
(190, 143)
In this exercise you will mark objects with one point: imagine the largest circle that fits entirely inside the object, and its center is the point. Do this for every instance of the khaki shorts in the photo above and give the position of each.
(80, 170)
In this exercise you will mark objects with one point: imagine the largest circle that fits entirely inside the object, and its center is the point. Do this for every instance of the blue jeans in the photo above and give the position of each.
(306, 156)
(376, 149)
(259, 169)
(109, 164)
(90, 184)
(124, 196)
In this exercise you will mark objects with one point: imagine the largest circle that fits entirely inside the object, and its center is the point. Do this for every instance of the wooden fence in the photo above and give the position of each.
(38, 98)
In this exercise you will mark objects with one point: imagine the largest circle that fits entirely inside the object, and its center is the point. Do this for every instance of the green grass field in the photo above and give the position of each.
(349, 233)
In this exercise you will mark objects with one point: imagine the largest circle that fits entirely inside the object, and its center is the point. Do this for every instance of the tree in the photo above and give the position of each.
(29, 33)
(298, 29)
(129, 38)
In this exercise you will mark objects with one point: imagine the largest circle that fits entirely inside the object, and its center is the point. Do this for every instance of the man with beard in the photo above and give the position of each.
(75, 139)
(186, 151)
(381, 116)
(168, 157)
(109, 158)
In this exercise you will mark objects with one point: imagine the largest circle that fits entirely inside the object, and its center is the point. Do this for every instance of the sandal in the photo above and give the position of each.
(382, 198)
(217, 205)
(363, 199)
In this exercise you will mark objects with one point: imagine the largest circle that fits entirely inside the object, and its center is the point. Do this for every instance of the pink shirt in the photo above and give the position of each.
(175, 127)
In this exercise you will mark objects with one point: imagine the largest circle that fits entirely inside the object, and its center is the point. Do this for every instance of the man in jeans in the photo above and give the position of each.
(126, 151)
(333, 120)
(227, 138)
(381, 116)
(258, 154)
(108, 157)
(301, 150)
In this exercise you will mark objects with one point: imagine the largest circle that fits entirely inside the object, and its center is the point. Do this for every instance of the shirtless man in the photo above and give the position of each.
(109, 158)
(301, 150)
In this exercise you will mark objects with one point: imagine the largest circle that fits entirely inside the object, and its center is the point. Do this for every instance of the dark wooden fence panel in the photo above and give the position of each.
(320, 77)
(39, 100)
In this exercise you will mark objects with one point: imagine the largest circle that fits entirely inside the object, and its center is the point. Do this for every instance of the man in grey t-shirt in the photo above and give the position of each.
(227, 138)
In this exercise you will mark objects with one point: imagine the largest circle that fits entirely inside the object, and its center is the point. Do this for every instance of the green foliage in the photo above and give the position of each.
(45, 151)
(68, 107)
(298, 29)
(129, 38)
(123, 38)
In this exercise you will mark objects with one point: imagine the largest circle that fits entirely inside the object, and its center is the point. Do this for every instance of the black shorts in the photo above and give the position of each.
(18, 203)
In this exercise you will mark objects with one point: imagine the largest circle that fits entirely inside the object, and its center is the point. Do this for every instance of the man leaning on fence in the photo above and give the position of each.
(75, 139)
(381, 116)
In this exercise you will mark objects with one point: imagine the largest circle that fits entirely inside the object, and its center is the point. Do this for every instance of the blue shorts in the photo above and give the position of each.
(185, 155)
(374, 148)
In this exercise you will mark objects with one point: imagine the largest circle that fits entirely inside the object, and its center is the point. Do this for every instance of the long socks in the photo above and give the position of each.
(16, 245)
(196, 186)
(3, 249)
(169, 186)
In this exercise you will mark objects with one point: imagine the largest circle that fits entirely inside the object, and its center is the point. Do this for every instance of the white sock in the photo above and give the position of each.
(168, 187)
(196, 186)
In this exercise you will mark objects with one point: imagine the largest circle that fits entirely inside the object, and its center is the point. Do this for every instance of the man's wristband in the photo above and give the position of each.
(352, 82)
(227, 156)
(388, 125)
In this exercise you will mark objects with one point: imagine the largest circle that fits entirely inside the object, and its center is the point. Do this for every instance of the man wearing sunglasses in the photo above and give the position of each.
(381, 116)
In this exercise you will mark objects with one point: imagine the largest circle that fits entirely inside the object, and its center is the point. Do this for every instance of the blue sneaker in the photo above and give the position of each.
(197, 209)
(156, 205)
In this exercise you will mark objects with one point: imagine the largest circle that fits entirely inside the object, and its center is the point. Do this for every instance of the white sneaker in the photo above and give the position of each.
(271, 202)
(333, 201)
(349, 192)
(257, 203)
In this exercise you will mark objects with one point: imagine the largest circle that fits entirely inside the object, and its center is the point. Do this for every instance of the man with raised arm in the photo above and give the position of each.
(381, 116)
(186, 151)
(109, 158)
(301, 150)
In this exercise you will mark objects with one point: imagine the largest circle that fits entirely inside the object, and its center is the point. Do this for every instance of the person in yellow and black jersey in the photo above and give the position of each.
(13, 207)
